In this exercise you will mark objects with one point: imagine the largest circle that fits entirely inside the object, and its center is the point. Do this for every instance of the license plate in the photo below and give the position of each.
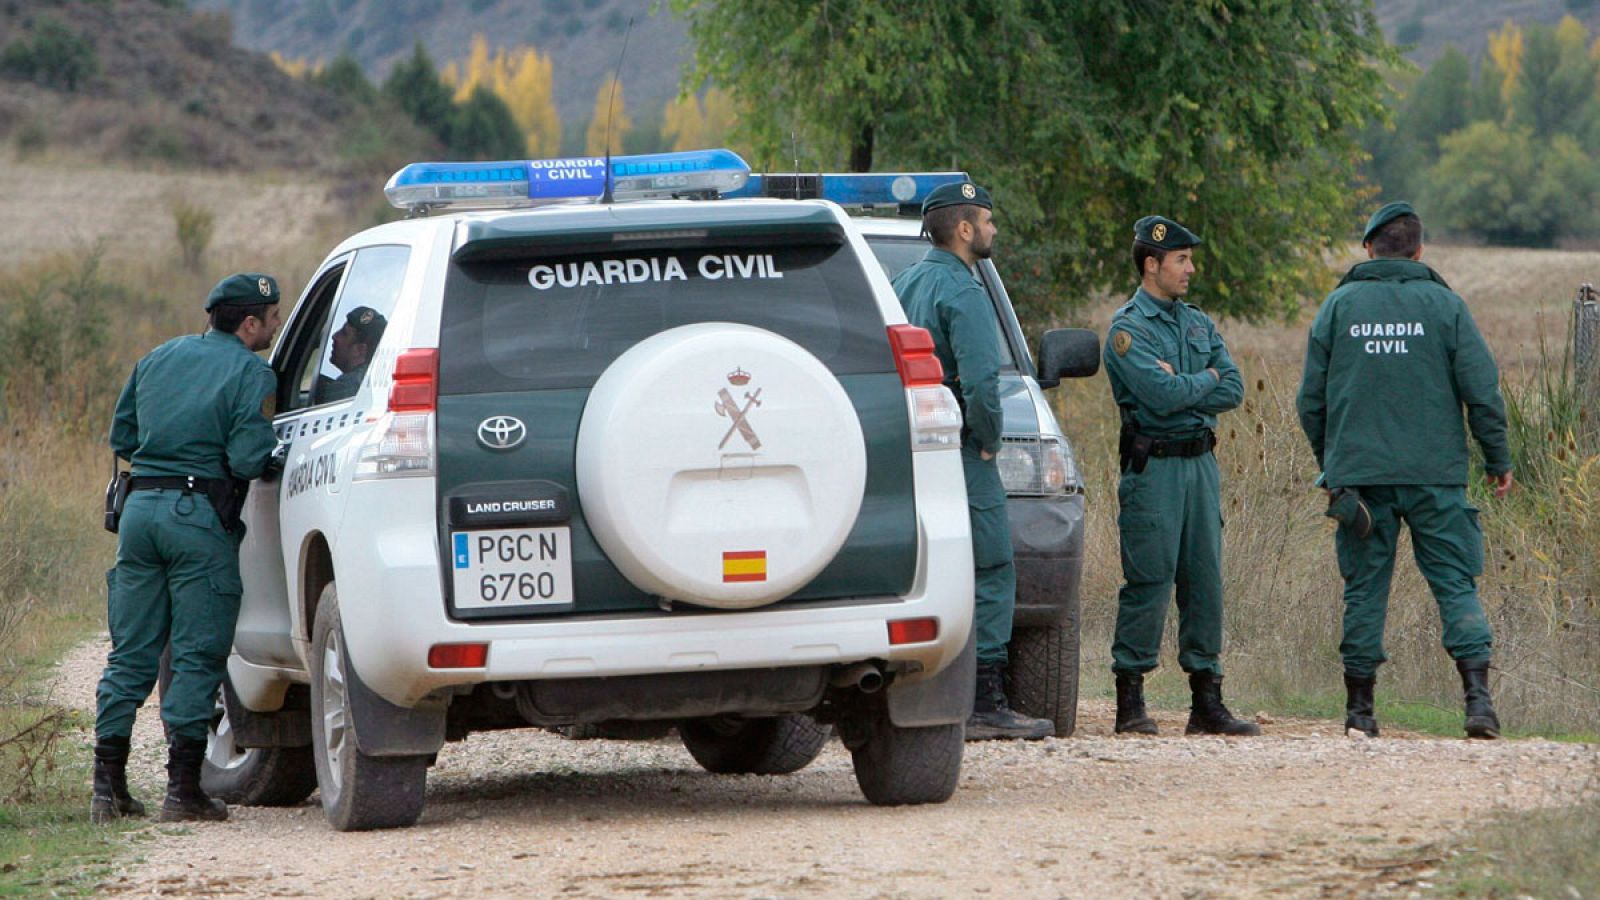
(512, 567)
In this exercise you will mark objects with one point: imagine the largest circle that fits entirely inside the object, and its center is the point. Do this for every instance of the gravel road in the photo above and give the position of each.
(1300, 811)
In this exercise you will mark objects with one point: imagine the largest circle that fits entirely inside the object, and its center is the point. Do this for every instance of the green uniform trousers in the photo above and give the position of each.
(1171, 528)
(1448, 545)
(994, 572)
(177, 580)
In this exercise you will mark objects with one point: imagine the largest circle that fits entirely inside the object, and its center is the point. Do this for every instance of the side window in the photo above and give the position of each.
(360, 318)
(299, 351)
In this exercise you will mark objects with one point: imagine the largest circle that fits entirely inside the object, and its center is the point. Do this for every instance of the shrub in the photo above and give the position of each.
(194, 224)
(56, 57)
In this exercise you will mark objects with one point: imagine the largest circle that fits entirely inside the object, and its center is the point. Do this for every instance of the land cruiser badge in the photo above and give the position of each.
(726, 405)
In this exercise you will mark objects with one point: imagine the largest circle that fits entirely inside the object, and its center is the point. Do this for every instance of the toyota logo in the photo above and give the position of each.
(501, 432)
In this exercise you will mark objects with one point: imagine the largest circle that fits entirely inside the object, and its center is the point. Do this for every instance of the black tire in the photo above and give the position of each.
(359, 792)
(1044, 673)
(779, 745)
(253, 776)
(905, 766)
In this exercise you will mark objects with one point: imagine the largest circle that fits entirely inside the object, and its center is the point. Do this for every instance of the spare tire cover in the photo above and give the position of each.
(720, 464)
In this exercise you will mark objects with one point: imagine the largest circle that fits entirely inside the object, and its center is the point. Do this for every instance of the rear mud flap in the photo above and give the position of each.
(944, 699)
(383, 729)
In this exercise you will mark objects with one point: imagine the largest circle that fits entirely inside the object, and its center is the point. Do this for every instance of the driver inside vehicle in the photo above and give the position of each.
(353, 347)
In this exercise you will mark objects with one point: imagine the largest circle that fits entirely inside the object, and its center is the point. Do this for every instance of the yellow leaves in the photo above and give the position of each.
(1506, 48)
(692, 123)
(299, 67)
(523, 79)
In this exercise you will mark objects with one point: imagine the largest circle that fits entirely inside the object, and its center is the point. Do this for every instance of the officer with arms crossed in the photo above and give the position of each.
(1393, 358)
(192, 419)
(940, 293)
(1170, 375)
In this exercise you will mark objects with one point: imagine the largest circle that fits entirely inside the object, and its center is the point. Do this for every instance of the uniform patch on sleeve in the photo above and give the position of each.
(269, 406)
(1120, 342)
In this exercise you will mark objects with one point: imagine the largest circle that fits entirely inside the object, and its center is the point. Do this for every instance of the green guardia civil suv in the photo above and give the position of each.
(580, 444)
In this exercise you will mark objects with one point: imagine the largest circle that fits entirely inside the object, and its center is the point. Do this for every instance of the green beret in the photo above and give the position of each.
(1386, 213)
(367, 323)
(1160, 231)
(964, 194)
(243, 289)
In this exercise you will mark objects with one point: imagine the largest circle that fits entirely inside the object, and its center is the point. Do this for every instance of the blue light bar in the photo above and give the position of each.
(893, 189)
(424, 186)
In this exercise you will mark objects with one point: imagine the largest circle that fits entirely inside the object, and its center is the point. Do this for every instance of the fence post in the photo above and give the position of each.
(1586, 358)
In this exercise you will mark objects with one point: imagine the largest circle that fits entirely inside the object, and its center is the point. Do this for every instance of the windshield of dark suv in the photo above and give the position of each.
(898, 254)
(559, 321)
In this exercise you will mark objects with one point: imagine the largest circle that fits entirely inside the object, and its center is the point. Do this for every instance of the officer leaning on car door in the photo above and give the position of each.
(941, 294)
(194, 423)
(1171, 375)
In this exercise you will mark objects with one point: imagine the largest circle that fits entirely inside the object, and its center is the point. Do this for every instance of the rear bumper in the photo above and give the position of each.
(1047, 540)
(392, 604)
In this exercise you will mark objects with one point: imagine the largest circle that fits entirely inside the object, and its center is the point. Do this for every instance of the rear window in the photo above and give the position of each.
(559, 321)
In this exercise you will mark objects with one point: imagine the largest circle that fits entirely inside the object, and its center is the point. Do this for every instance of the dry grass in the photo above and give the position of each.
(1283, 589)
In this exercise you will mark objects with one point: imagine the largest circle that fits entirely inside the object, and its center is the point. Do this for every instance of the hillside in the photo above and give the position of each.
(582, 37)
(154, 83)
(1432, 25)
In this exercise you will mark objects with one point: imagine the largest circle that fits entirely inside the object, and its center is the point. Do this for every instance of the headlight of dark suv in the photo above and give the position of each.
(1038, 465)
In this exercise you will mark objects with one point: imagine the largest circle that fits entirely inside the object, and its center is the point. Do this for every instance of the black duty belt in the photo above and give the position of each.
(1195, 446)
(174, 482)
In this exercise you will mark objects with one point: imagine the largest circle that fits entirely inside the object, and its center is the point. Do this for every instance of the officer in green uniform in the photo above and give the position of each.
(941, 293)
(1171, 375)
(193, 421)
(353, 346)
(1393, 359)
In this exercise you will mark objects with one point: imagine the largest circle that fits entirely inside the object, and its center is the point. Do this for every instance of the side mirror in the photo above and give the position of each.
(1067, 353)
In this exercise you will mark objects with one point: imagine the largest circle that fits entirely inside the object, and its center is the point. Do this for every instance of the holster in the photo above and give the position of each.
(116, 498)
(227, 499)
(1133, 450)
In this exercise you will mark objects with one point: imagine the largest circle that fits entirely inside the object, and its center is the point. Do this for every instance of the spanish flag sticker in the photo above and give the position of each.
(744, 565)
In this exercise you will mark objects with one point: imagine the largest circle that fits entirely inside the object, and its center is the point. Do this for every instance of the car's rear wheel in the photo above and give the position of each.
(778, 745)
(253, 776)
(359, 791)
(904, 766)
(1044, 673)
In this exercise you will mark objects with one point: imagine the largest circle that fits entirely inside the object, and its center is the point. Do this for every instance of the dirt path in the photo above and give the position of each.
(1301, 811)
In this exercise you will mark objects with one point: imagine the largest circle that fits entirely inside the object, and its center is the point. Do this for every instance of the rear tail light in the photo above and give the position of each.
(402, 444)
(416, 381)
(913, 356)
(935, 417)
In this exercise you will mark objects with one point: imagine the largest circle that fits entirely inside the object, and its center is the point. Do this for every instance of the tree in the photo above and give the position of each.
(1441, 102)
(416, 87)
(529, 92)
(1505, 49)
(1238, 119)
(1505, 185)
(682, 123)
(607, 111)
(57, 57)
(344, 77)
(482, 128)
(1556, 86)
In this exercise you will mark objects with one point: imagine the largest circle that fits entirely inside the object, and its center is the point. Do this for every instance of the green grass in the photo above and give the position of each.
(1543, 853)
(51, 848)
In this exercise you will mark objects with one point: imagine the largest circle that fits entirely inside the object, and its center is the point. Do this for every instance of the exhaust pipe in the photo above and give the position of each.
(863, 676)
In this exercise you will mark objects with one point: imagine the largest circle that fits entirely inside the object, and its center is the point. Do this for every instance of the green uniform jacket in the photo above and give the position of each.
(941, 294)
(1392, 358)
(193, 403)
(1145, 332)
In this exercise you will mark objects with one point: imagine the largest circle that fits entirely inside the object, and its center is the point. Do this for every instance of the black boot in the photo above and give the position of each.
(1481, 720)
(1358, 714)
(110, 798)
(1131, 715)
(1208, 715)
(994, 719)
(186, 802)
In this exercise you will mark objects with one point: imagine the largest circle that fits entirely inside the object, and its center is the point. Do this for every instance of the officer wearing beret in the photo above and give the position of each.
(192, 421)
(353, 346)
(1393, 360)
(1171, 376)
(941, 293)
